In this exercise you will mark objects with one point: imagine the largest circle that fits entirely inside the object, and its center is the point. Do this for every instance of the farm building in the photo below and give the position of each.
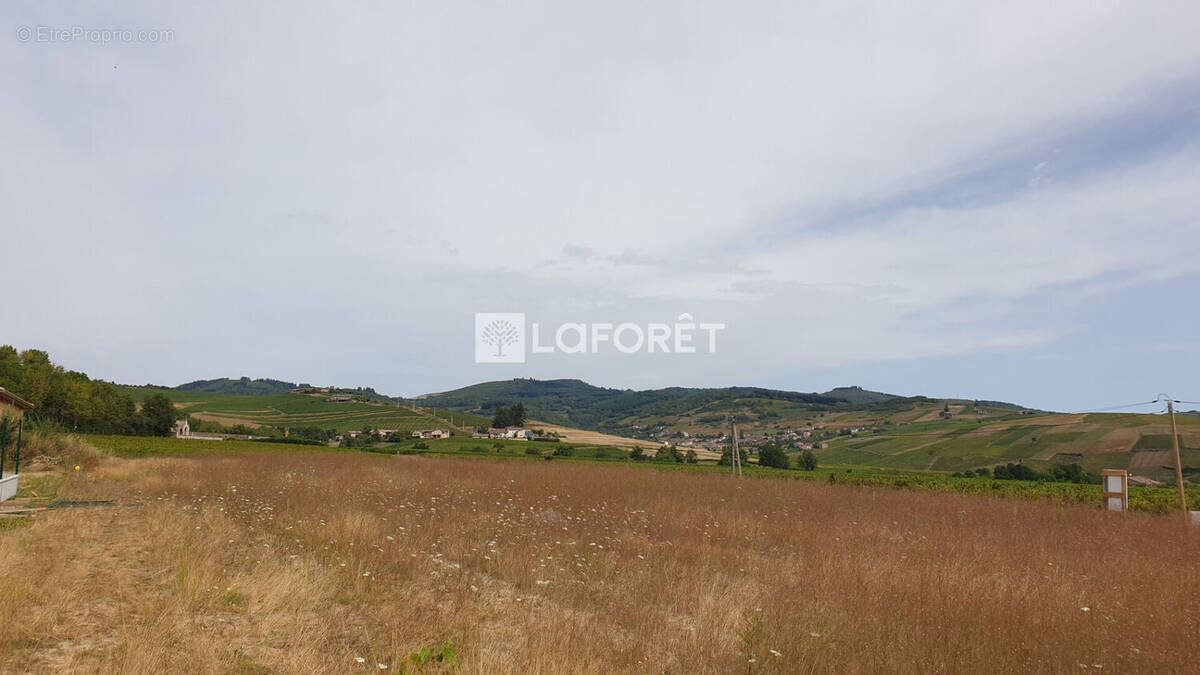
(519, 433)
(12, 405)
(431, 433)
(12, 412)
(340, 398)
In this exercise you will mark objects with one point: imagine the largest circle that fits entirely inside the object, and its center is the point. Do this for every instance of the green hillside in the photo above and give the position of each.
(859, 395)
(293, 411)
(579, 404)
(243, 386)
(1138, 443)
(852, 426)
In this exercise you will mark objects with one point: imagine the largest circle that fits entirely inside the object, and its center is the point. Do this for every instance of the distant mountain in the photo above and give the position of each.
(243, 386)
(859, 395)
(577, 403)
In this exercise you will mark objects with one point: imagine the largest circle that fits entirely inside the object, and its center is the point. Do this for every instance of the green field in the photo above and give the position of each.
(154, 446)
(282, 411)
(900, 434)
(1138, 443)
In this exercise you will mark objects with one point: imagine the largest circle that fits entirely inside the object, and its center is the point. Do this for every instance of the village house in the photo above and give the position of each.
(431, 433)
(517, 433)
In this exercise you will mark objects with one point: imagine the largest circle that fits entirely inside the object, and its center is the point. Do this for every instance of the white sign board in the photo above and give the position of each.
(1116, 489)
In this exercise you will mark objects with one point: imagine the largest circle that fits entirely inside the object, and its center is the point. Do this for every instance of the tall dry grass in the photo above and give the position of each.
(304, 563)
(42, 450)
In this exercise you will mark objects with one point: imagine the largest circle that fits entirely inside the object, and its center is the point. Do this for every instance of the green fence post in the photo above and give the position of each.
(3, 443)
(17, 459)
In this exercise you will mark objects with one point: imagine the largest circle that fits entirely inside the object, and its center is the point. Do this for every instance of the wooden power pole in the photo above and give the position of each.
(735, 455)
(1187, 517)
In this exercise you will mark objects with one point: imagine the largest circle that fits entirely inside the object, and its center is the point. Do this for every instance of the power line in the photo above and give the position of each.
(1116, 407)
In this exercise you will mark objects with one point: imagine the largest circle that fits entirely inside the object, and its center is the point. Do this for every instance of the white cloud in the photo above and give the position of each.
(319, 170)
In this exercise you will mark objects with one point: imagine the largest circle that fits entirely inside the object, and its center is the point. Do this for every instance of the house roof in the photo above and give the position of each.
(12, 399)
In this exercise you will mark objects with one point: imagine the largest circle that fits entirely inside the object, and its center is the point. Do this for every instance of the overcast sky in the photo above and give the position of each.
(998, 203)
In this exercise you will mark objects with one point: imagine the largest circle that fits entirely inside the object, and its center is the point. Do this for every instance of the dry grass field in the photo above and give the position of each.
(303, 563)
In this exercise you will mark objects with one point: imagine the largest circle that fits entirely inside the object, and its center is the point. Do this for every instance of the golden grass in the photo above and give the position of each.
(44, 450)
(303, 562)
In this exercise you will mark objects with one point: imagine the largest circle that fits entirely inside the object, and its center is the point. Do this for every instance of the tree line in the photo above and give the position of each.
(72, 401)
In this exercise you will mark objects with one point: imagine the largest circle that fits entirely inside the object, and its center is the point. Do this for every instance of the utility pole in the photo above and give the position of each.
(735, 455)
(1187, 517)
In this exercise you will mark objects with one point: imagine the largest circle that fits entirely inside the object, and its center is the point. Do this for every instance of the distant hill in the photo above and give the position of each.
(243, 386)
(859, 395)
(577, 403)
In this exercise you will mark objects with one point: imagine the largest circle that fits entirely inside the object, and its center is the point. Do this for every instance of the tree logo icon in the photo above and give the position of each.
(499, 338)
(499, 334)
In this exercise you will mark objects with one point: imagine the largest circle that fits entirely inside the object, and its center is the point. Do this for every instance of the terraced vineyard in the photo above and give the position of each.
(296, 410)
(1139, 443)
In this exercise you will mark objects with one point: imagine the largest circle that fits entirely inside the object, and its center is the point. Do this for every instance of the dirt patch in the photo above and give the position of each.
(1118, 440)
(585, 437)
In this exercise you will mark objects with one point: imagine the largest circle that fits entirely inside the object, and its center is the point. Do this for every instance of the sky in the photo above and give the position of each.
(996, 202)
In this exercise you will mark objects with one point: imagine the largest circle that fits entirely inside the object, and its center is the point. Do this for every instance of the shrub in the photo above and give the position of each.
(668, 453)
(45, 449)
(772, 455)
(808, 461)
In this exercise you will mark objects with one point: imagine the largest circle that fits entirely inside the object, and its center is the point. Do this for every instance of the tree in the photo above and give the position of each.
(807, 460)
(690, 457)
(772, 455)
(668, 453)
(638, 455)
(727, 456)
(158, 415)
(511, 416)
